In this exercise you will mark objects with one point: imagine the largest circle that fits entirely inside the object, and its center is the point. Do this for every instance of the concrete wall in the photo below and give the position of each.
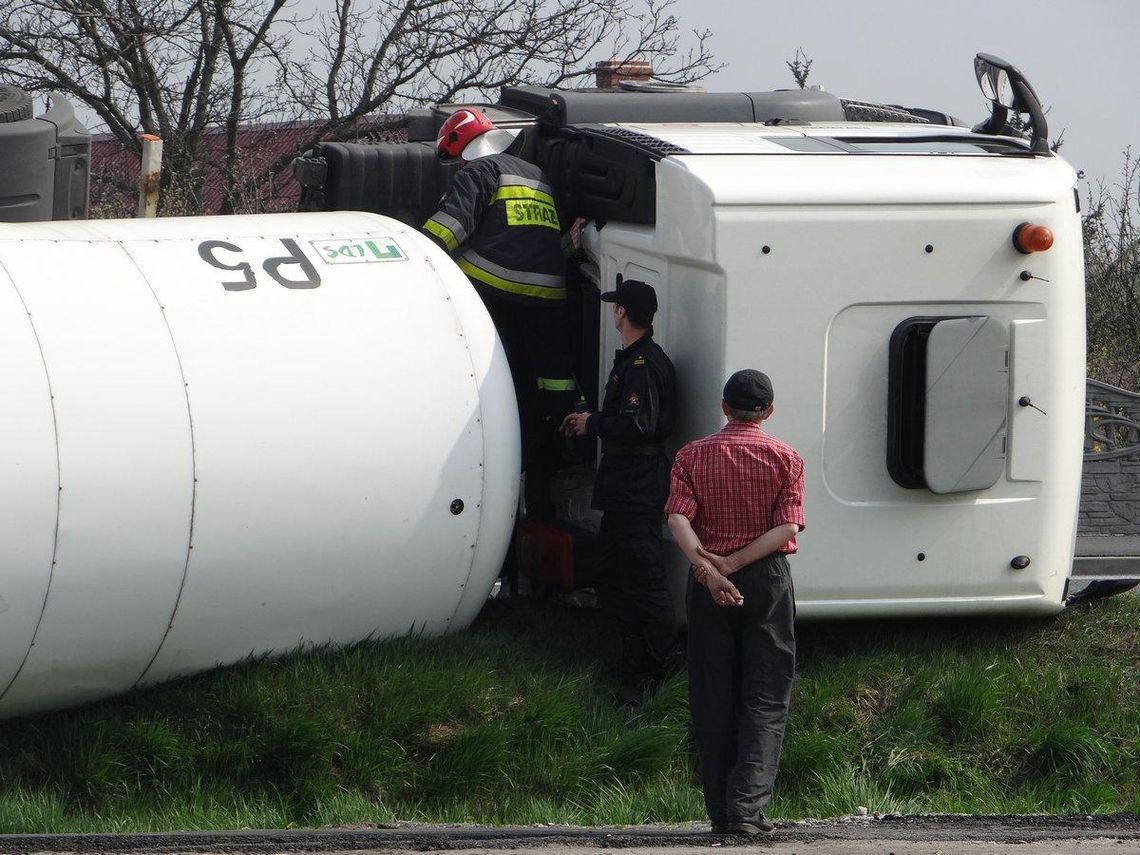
(1110, 491)
(1109, 497)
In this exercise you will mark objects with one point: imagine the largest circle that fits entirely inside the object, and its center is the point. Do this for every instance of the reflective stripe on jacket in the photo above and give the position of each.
(500, 210)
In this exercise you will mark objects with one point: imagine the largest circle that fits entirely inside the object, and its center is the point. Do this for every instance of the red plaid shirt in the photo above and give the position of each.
(736, 484)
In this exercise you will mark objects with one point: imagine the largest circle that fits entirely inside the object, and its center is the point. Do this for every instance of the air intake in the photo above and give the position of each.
(44, 162)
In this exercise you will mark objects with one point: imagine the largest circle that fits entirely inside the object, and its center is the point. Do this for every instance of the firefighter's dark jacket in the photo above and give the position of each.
(635, 420)
(500, 209)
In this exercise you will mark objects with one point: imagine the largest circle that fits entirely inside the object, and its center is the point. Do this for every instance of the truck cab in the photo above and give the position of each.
(913, 286)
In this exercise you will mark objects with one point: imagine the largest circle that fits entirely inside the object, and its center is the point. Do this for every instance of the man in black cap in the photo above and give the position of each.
(735, 506)
(631, 486)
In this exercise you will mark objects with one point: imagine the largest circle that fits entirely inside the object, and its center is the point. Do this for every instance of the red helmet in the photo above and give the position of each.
(460, 129)
(464, 127)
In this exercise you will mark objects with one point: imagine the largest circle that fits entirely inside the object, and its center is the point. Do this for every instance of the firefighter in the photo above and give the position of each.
(499, 221)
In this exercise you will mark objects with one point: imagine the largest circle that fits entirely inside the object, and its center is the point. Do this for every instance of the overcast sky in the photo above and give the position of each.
(1082, 59)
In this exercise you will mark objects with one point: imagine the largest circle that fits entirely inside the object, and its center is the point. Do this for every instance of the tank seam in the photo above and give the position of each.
(58, 482)
(193, 467)
(482, 441)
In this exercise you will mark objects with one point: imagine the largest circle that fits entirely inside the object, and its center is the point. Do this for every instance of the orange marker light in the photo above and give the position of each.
(1029, 238)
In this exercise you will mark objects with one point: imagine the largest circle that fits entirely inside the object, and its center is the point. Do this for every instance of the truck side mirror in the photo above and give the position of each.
(1007, 89)
(993, 80)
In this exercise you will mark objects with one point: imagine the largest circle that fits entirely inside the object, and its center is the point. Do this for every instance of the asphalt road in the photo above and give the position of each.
(901, 835)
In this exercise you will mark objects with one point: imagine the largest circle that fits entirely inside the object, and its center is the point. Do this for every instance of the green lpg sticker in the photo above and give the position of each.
(362, 250)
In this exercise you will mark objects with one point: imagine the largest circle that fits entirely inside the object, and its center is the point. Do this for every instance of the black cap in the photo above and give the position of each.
(636, 297)
(748, 390)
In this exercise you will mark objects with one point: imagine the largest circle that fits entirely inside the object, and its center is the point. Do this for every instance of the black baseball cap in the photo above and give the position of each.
(748, 390)
(636, 297)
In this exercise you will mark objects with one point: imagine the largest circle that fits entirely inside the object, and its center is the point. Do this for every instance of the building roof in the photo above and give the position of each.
(115, 170)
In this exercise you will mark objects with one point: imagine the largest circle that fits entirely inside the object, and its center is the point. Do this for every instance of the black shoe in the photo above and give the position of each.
(630, 695)
(763, 825)
(640, 687)
(622, 672)
(719, 827)
(676, 662)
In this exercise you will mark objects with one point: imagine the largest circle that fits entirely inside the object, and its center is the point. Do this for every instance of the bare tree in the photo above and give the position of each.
(164, 67)
(184, 68)
(1112, 278)
(800, 67)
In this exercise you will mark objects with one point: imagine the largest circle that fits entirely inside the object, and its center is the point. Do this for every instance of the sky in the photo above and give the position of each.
(1082, 59)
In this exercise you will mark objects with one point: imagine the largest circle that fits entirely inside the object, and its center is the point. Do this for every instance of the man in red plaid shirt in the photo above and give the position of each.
(735, 506)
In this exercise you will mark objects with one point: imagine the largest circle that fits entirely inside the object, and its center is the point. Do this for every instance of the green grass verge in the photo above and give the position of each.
(511, 722)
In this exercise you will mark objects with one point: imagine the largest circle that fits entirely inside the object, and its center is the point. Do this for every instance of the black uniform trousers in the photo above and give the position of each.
(536, 339)
(634, 590)
(741, 665)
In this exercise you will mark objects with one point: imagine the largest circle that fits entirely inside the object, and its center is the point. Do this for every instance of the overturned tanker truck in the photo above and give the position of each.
(913, 286)
(228, 436)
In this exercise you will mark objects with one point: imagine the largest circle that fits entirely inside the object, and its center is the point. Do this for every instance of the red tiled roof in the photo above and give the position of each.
(115, 169)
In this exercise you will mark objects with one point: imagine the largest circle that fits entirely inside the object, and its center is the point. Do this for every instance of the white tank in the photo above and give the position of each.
(238, 435)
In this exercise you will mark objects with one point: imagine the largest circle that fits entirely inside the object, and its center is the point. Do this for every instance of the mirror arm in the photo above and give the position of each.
(1027, 99)
(996, 122)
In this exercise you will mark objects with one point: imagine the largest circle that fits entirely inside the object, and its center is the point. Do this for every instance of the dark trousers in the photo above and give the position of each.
(536, 339)
(633, 589)
(741, 665)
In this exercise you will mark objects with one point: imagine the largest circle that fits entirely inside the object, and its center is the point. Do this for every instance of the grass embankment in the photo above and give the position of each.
(510, 722)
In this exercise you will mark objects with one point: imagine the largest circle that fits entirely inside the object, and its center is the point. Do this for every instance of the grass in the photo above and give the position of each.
(511, 722)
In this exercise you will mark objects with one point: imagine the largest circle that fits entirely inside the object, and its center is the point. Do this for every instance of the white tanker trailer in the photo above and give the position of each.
(228, 436)
(231, 436)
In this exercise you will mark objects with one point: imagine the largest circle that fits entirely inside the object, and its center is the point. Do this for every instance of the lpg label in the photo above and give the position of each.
(360, 250)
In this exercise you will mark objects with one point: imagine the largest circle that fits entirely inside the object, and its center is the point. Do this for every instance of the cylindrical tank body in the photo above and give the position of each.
(238, 435)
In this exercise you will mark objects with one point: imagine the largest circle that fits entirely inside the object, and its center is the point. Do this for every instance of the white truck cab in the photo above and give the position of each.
(929, 372)
(886, 266)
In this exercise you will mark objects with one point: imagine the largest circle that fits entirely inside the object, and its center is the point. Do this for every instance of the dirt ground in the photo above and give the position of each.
(889, 835)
